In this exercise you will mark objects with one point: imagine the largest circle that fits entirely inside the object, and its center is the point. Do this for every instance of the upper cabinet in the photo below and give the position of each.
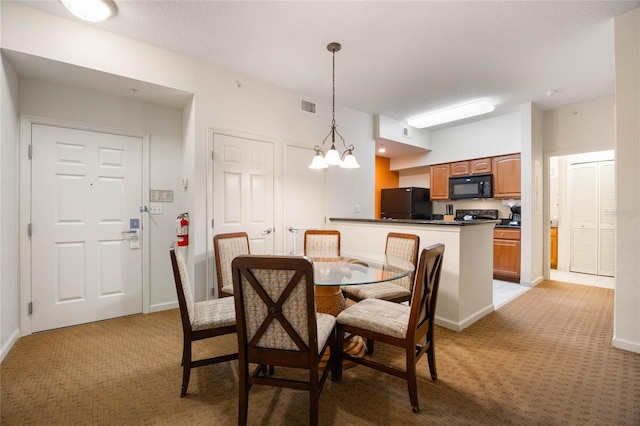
(480, 166)
(460, 168)
(506, 176)
(439, 176)
(471, 167)
(505, 170)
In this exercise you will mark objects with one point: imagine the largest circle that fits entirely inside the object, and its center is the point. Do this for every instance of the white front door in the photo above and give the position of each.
(86, 186)
(243, 190)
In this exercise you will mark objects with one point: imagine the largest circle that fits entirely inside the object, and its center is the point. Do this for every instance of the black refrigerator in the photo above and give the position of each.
(405, 203)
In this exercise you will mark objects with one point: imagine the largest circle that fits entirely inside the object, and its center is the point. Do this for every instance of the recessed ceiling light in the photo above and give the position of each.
(451, 114)
(382, 149)
(91, 10)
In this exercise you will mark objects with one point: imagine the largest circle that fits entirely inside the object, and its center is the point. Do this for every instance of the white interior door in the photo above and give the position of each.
(243, 190)
(86, 186)
(584, 219)
(305, 196)
(593, 221)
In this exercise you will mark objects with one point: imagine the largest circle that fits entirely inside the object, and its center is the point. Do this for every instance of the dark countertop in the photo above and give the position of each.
(419, 222)
(507, 226)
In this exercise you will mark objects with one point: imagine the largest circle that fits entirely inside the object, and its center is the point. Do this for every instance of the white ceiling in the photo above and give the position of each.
(398, 58)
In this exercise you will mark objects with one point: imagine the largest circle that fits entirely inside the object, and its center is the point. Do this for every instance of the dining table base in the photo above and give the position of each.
(330, 300)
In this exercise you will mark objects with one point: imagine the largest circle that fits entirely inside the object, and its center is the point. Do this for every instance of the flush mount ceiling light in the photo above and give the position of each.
(333, 158)
(451, 114)
(91, 10)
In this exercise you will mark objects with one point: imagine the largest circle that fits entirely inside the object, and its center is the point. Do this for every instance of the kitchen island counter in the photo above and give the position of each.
(466, 281)
(418, 221)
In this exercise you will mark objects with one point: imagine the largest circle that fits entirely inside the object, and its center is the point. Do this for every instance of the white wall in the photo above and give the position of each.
(9, 247)
(485, 138)
(582, 127)
(626, 333)
(163, 124)
(532, 248)
(255, 108)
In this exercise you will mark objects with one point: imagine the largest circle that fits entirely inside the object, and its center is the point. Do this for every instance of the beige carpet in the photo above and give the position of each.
(545, 358)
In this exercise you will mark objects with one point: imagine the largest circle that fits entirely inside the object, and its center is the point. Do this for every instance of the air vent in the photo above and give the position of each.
(406, 132)
(307, 106)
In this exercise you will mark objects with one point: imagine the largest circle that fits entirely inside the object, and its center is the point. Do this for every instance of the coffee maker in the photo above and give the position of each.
(515, 216)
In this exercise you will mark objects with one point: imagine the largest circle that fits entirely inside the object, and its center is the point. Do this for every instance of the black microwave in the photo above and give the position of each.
(476, 186)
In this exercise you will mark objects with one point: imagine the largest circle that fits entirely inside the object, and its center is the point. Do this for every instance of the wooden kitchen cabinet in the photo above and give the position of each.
(460, 168)
(554, 248)
(439, 177)
(506, 254)
(480, 166)
(506, 176)
(471, 167)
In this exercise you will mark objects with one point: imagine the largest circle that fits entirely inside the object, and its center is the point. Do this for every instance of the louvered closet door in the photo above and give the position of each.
(607, 220)
(584, 219)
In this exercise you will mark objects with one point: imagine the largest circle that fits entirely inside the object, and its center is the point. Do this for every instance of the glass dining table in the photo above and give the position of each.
(332, 270)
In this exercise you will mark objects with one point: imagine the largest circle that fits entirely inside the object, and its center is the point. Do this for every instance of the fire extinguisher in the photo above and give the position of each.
(182, 229)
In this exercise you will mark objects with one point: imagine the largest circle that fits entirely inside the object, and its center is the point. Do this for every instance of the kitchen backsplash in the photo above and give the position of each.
(439, 207)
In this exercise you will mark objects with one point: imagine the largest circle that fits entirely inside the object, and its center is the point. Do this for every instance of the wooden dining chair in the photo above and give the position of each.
(200, 320)
(409, 327)
(403, 247)
(398, 246)
(226, 247)
(278, 326)
(326, 241)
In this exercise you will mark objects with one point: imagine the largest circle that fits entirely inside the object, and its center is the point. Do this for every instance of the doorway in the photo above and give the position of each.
(582, 218)
(84, 198)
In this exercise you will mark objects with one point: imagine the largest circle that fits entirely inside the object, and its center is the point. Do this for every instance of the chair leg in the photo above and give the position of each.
(186, 367)
(370, 346)
(412, 383)
(431, 357)
(243, 397)
(336, 374)
(334, 359)
(314, 396)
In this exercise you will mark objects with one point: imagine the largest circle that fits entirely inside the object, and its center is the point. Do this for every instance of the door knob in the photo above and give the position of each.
(267, 231)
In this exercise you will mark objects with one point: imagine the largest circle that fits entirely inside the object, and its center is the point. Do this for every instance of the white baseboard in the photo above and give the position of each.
(163, 306)
(461, 325)
(9, 344)
(626, 345)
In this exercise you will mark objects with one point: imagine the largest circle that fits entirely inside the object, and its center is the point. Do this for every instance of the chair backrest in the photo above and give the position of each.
(226, 247)
(425, 293)
(275, 310)
(183, 286)
(325, 241)
(404, 247)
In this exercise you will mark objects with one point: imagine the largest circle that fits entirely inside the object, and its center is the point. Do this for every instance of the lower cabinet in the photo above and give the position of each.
(506, 254)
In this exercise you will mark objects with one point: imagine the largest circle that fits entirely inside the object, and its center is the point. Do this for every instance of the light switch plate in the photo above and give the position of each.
(155, 208)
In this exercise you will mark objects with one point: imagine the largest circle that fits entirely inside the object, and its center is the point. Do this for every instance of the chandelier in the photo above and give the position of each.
(347, 160)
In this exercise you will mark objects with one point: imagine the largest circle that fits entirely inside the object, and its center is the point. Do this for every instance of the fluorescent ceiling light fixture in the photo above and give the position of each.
(91, 10)
(451, 114)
